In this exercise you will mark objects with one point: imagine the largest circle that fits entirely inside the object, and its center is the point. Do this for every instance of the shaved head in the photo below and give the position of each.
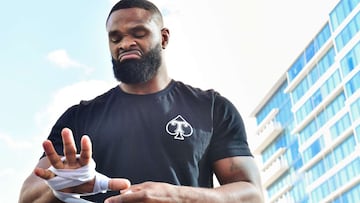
(143, 4)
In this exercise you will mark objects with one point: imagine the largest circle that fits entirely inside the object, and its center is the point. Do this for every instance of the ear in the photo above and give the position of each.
(165, 35)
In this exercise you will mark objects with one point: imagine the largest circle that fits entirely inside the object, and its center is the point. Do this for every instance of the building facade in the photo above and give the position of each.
(308, 125)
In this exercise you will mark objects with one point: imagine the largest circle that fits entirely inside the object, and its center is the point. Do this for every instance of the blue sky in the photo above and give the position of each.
(54, 53)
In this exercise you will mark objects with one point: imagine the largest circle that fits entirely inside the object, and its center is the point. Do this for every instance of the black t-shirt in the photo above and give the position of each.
(172, 136)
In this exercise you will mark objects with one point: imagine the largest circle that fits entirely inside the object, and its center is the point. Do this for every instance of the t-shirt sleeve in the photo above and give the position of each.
(229, 134)
(66, 120)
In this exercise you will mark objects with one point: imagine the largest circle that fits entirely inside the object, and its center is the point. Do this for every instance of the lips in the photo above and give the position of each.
(133, 54)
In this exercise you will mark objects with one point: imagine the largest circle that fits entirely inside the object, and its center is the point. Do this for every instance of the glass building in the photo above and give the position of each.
(308, 124)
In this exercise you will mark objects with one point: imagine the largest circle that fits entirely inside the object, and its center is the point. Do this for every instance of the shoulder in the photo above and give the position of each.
(85, 105)
(73, 110)
(219, 101)
(99, 99)
(195, 91)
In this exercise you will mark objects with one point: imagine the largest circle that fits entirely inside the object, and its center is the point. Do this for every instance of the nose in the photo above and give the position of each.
(126, 43)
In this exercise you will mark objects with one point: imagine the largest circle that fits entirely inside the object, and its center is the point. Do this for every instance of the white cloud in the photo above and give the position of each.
(61, 59)
(18, 158)
(15, 144)
(68, 96)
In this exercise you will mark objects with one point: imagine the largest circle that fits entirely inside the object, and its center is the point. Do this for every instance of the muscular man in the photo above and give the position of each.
(165, 137)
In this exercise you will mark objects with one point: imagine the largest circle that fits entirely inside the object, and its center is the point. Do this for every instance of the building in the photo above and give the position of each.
(308, 124)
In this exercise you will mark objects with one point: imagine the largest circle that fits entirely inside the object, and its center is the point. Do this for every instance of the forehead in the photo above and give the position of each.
(129, 17)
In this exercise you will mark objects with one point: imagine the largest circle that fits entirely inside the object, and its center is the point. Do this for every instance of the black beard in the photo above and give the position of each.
(135, 71)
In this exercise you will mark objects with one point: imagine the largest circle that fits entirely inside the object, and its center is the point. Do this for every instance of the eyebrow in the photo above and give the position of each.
(113, 33)
(134, 28)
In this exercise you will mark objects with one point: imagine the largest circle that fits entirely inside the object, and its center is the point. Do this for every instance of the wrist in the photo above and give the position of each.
(187, 194)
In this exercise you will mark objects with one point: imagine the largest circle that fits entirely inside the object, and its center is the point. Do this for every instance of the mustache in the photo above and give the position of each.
(123, 52)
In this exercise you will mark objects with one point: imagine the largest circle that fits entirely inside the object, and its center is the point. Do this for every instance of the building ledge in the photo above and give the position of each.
(280, 193)
(326, 150)
(276, 155)
(276, 169)
(332, 196)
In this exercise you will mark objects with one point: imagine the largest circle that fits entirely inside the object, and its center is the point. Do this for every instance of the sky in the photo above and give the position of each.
(55, 53)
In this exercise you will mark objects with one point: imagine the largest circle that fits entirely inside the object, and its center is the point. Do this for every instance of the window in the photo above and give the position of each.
(341, 11)
(318, 96)
(309, 52)
(348, 32)
(296, 67)
(350, 60)
(313, 149)
(339, 127)
(355, 109)
(352, 85)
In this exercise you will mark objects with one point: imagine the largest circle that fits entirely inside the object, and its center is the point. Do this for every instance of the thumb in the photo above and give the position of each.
(117, 184)
(43, 173)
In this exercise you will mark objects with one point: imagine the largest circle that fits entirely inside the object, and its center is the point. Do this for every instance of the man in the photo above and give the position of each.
(163, 136)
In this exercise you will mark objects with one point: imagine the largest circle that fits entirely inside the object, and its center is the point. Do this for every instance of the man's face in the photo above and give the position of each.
(135, 45)
(135, 71)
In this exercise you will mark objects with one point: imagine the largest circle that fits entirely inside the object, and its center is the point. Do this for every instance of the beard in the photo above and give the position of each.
(135, 71)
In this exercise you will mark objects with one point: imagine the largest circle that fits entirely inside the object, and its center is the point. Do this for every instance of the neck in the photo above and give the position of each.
(159, 82)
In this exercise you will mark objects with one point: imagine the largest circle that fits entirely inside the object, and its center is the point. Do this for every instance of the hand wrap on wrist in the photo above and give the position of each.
(66, 178)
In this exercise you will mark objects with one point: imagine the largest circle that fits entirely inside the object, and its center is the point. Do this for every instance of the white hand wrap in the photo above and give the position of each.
(66, 178)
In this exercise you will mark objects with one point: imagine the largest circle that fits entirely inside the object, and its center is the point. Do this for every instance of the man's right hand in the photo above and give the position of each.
(72, 162)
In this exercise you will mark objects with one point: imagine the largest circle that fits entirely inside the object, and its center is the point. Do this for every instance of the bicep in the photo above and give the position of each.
(238, 168)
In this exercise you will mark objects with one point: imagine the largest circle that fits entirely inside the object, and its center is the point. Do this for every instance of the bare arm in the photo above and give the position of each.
(240, 179)
(34, 189)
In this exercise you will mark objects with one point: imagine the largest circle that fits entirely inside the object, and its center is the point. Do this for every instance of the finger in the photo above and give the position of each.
(69, 146)
(86, 151)
(43, 173)
(52, 156)
(117, 184)
(114, 199)
(126, 197)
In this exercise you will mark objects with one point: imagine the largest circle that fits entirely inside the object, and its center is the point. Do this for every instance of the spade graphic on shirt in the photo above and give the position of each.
(179, 128)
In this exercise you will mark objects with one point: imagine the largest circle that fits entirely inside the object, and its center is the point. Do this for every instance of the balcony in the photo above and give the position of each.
(267, 131)
(274, 171)
(282, 196)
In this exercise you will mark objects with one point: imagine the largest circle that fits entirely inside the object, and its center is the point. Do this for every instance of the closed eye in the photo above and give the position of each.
(115, 40)
(139, 32)
(114, 37)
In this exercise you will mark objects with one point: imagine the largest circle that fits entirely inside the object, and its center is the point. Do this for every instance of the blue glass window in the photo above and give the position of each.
(313, 149)
(352, 195)
(309, 52)
(348, 32)
(335, 106)
(341, 177)
(351, 60)
(318, 96)
(341, 11)
(340, 126)
(353, 85)
(322, 37)
(280, 101)
(297, 67)
(355, 109)
(322, 66)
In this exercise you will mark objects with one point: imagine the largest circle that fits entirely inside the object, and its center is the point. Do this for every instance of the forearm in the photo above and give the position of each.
(239, 192)
(35, 190)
